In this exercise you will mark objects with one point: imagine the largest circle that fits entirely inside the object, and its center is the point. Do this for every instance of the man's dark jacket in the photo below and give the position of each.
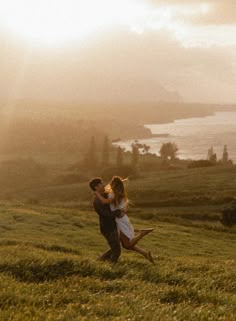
(106, 216)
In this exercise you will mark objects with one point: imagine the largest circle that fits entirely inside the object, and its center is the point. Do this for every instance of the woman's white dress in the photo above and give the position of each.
(123, 223)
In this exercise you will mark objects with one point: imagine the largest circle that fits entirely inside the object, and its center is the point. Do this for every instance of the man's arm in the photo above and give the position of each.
(103, 199)
(104, 210)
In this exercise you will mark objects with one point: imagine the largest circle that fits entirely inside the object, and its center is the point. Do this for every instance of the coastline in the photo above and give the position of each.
(169, 113)
(217, 130)
(146, 133)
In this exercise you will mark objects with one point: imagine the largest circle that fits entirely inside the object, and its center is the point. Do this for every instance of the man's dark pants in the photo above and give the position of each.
(114, 252)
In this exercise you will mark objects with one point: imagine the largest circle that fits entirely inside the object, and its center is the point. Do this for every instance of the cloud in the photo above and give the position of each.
(220, 11)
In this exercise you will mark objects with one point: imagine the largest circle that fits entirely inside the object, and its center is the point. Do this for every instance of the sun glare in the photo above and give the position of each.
(55, 21)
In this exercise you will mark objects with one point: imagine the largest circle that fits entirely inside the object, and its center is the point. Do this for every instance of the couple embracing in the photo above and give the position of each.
(110, 203)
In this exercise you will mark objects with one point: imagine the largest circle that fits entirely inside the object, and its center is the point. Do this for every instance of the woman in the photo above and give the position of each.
(118, 199)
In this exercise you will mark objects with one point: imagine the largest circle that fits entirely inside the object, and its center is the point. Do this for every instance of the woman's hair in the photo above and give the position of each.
(117, 187)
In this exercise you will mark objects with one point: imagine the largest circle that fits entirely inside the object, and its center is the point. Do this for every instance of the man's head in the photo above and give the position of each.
(96, 184)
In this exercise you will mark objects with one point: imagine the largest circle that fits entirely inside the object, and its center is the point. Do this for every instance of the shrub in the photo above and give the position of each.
(228, 217)
(200, 163)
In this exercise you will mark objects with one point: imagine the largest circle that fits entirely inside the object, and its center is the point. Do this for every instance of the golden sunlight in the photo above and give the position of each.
(55, 21)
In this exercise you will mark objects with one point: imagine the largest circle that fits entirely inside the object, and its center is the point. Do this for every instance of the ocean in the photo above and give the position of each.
(194, 136)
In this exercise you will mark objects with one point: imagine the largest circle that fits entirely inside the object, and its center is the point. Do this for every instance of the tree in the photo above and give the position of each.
(119, 157)
(168, 151)
(105, 152)
(146, 148)
(135, 155)
(228, 217)
(214, 158)
(211, 155)
(225, 157)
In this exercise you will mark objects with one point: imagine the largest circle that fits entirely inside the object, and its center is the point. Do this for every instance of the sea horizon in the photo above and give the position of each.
(194, 136)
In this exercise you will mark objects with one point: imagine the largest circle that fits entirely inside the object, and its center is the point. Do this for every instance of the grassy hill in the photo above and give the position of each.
(50, 240)
(48, 267)
(171, 187)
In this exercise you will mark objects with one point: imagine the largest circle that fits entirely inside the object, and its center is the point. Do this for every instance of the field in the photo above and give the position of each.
(49, 268)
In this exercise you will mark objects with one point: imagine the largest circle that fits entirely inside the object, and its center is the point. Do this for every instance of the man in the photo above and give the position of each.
(107, 222)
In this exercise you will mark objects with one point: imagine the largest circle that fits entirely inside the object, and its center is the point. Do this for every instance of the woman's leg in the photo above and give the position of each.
(139, 250)
(127, 245)
(138, 237)
(146, 254)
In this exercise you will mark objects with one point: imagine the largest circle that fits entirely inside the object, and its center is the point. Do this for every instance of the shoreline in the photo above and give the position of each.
(187, 152)
(172, 120)
(149, 134)
(169, 113)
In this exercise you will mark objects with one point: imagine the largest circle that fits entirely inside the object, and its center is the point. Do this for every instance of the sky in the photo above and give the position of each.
(118, 51)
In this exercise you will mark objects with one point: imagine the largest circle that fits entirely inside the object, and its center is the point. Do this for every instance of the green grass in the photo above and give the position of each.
(49, 271)
(184, 187)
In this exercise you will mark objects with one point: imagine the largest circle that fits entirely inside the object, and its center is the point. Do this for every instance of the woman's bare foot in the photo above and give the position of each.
(150, 229)
(146, 231)
(149, 257)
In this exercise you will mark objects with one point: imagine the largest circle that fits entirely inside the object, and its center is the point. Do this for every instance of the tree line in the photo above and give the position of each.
(100, 157)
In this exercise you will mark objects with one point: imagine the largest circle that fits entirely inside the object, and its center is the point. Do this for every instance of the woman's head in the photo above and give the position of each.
(118, 188)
